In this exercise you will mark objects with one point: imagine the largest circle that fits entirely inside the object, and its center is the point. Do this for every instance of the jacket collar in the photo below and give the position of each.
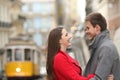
(70, 58)
(98, 39)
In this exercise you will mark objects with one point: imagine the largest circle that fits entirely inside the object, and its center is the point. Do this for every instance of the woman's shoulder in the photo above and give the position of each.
(60, 55)
(59, 59)
(63, 56)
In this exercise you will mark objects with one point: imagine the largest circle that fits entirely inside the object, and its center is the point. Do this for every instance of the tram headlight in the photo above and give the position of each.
(18, 70)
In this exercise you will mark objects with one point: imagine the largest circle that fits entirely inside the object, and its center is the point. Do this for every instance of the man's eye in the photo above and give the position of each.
(86, 29)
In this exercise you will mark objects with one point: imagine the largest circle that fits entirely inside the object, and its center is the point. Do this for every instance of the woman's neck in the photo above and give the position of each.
(63, 48)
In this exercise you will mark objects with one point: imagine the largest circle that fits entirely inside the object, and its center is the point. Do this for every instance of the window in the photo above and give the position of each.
(36, 7)
(37, 22)
(29, 23)
(32, 58)
(25, 25)
(27, 54)
(46, 23)
(43, 23)
(18, 54)
(9, 55)
(25, 8)
(38, 39)
(42, 8)
(45, 8)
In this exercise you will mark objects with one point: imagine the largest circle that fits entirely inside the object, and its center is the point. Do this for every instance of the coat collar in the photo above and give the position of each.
(98, 39)
(70, 58)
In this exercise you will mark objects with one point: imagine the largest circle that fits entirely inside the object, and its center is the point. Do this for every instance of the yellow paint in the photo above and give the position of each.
(19, 69)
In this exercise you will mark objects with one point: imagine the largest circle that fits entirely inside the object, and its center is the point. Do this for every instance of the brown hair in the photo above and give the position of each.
(97, 19)
(53, 48)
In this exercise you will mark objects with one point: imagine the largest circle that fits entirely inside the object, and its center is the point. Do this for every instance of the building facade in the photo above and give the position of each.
(67, 13)
(38, 13)
(8, 14)
(40, 19)
(5, 22)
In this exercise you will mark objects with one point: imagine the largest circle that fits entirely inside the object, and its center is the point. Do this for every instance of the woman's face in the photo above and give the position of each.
(65, 39)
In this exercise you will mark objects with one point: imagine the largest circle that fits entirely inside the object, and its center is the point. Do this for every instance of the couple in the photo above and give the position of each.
(104, 59)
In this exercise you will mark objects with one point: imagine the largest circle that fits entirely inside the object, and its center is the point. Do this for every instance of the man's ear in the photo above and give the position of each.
(98, 28)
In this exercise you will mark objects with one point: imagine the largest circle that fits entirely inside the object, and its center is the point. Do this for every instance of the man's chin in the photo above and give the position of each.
(90, 39)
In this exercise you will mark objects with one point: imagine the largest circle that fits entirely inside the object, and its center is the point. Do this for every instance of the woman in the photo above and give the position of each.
(60, 66)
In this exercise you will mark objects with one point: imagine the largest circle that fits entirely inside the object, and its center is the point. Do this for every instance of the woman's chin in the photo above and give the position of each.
(69, 45)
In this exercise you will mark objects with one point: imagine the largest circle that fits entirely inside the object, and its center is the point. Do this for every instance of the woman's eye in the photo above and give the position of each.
(66, 34)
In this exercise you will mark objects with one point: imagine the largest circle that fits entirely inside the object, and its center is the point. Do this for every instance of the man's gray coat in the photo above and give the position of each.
(104, 58)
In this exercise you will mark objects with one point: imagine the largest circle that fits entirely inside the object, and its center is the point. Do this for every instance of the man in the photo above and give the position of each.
(104, 59)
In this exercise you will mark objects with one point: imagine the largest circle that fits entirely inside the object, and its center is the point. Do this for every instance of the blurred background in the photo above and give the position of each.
(33, 19)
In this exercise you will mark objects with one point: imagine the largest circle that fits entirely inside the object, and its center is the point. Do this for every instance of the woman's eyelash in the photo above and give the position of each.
(66, 34)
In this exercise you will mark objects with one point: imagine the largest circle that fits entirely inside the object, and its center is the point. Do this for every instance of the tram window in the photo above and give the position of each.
(9, 54)
(27, 54)
(18, 54)
(33, 52)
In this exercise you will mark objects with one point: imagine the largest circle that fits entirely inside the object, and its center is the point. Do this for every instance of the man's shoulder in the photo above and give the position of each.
(107, 43)
(109, 47)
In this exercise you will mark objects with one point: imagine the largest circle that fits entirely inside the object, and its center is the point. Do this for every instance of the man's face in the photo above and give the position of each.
(91, 31)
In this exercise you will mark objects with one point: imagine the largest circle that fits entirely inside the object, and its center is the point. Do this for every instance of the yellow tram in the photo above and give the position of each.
(21, 60)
